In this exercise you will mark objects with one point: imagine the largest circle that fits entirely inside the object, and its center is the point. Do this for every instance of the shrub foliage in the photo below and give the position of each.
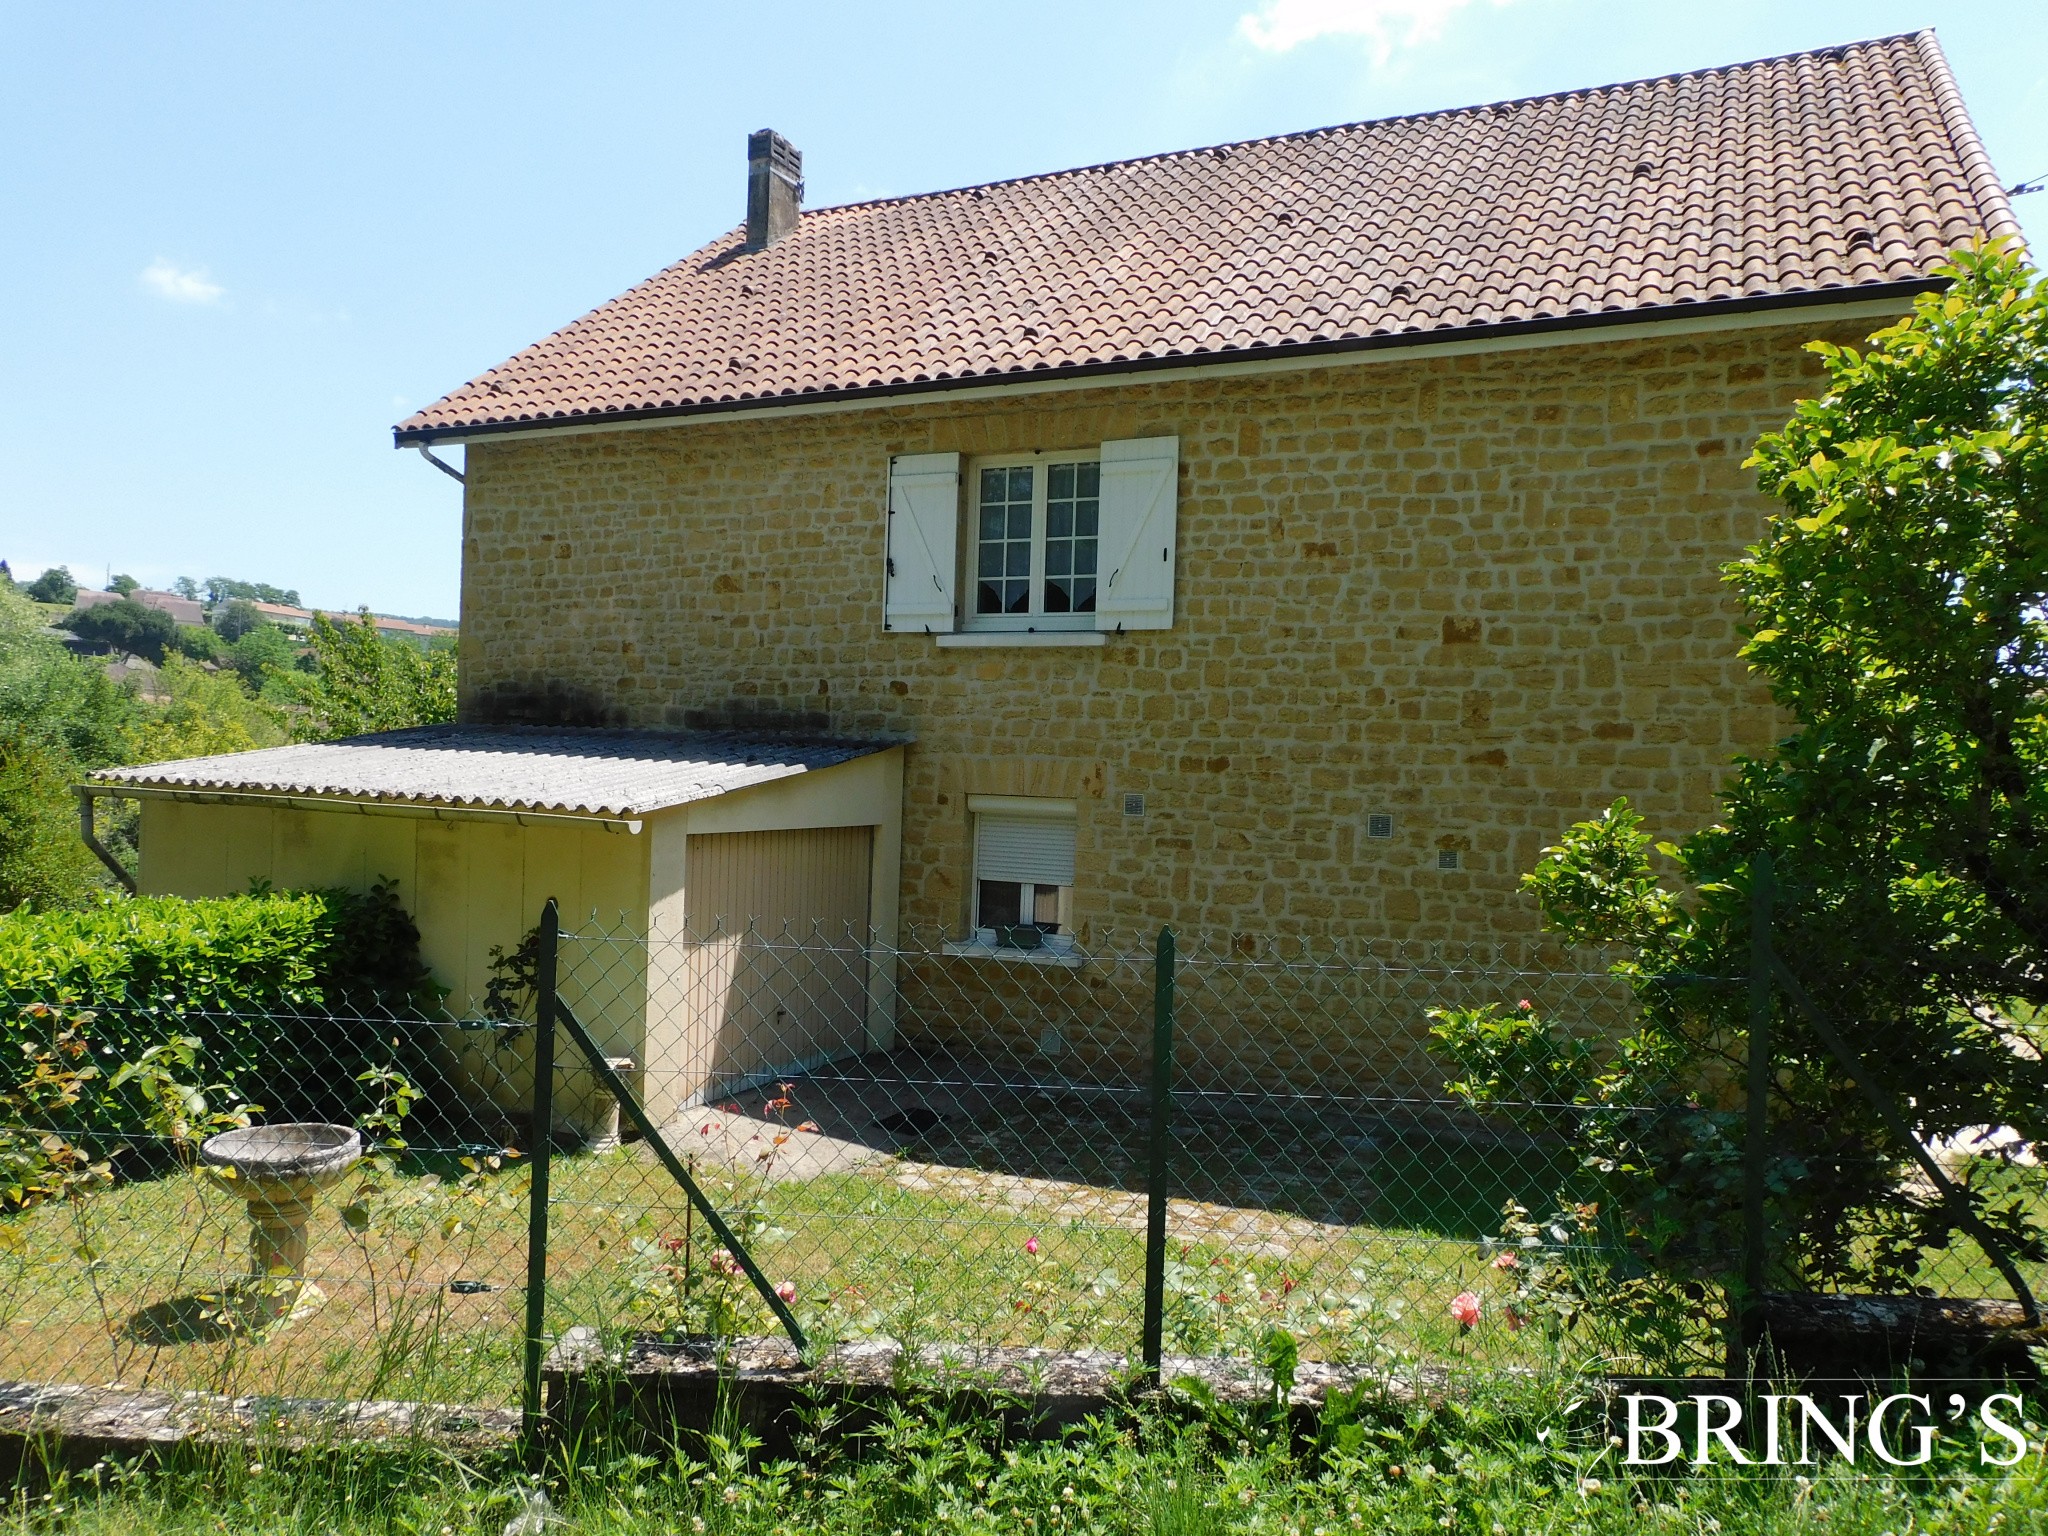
(283, 1001)
(1899, 602)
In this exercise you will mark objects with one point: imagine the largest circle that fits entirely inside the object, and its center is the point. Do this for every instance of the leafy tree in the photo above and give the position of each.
(364, 682)
(186, 588)
(199, 713)
(123, 585)
(60, 715)
(261, 651)
(198, 643)
(126, 626)
(55, 585)
(221, 589)
(42, 859)
(236, 618)
(64, 701)
(1900, 605)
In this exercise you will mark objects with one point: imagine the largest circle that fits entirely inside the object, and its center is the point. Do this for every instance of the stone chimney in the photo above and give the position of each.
(775, 187)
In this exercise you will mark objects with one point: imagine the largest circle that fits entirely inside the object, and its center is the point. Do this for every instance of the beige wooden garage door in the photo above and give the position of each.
(778, 955)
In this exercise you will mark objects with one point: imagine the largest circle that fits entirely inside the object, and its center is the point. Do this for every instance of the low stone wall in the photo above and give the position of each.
(45, 1426)
(651, 1390)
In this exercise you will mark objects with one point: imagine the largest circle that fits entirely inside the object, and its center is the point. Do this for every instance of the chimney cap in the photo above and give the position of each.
(782, 157)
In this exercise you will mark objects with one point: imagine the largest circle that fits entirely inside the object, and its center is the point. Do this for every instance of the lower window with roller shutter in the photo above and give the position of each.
(1023, 867)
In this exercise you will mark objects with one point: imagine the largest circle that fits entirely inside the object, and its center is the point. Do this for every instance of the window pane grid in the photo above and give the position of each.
(1003, 541)
(1073, 510)
(1036, 529)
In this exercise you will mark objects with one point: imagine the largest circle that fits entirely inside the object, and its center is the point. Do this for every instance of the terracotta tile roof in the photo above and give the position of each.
(183, 609)
(546, 769)
(1787, 179)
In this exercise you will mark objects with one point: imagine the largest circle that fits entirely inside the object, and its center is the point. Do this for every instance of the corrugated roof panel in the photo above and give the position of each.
(557, 770)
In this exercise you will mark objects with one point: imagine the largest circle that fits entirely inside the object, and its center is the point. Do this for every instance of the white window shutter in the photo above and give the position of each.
(1140, 484)
(1029, 850)
(924, 541)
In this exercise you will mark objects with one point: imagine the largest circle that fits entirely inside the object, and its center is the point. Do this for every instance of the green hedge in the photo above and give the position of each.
(291, 996)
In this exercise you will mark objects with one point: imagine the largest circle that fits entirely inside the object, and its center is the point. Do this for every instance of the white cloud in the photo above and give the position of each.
(1281, 25)
(167, 280)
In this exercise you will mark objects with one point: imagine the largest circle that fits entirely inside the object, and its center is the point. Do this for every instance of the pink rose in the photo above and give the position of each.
(1465, 1309)
(1507, 1261)
(787, 1291)
(1031, 1246)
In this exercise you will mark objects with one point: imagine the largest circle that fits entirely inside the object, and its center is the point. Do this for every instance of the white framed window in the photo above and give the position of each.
(1023, 867)
(1033, 546)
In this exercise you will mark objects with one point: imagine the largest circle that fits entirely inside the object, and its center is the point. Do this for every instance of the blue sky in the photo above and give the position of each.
(237, 242)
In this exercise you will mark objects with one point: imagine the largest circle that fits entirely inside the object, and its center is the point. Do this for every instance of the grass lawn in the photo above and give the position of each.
(425, 1297)
(124, 1286)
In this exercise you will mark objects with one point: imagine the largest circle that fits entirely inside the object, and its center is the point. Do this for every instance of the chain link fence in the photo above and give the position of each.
(934, 1141)
(1153, 1145)
(373, 1249)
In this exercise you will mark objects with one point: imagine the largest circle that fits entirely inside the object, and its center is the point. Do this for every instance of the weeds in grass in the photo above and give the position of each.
(1509, 1457)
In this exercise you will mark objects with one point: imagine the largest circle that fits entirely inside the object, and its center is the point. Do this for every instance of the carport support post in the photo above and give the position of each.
(542, 1132)
(1162, 1142)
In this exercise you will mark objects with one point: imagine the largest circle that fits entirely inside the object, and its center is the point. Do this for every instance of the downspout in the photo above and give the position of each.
(90, 833)
(441, 464)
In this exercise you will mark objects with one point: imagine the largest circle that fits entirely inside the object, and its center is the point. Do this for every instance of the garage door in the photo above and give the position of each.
(778, 954)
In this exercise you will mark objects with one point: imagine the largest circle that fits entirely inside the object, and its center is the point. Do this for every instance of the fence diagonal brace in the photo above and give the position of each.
(667, 1156)
(1895, 1121)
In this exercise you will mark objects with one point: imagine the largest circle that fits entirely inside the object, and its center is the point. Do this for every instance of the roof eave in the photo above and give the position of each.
(612, 818)
(1862, 293)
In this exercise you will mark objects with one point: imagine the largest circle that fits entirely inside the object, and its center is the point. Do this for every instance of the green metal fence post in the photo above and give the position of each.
(1756, 1134)
(542, 1132)
(1162, 1141)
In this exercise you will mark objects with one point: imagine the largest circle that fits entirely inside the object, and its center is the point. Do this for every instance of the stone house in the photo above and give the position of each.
(1289, 537)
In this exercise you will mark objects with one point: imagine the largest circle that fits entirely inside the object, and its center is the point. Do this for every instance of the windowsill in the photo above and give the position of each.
(1020, 637)
(968, 949)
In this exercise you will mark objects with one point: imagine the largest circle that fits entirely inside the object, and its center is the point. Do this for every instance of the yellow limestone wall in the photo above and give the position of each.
(1479, 592)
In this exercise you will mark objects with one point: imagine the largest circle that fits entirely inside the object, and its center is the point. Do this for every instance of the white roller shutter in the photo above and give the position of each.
(1038, 850)
(924, 535)
(1140, 484)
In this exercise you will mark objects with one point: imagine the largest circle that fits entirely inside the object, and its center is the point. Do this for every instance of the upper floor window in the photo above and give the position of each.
(1046, 547)
(1036, 541)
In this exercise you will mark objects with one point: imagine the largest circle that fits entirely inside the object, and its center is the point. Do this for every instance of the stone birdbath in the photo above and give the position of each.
(280, 1171)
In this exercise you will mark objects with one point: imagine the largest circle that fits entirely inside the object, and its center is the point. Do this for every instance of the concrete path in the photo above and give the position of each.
(781, 1152)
